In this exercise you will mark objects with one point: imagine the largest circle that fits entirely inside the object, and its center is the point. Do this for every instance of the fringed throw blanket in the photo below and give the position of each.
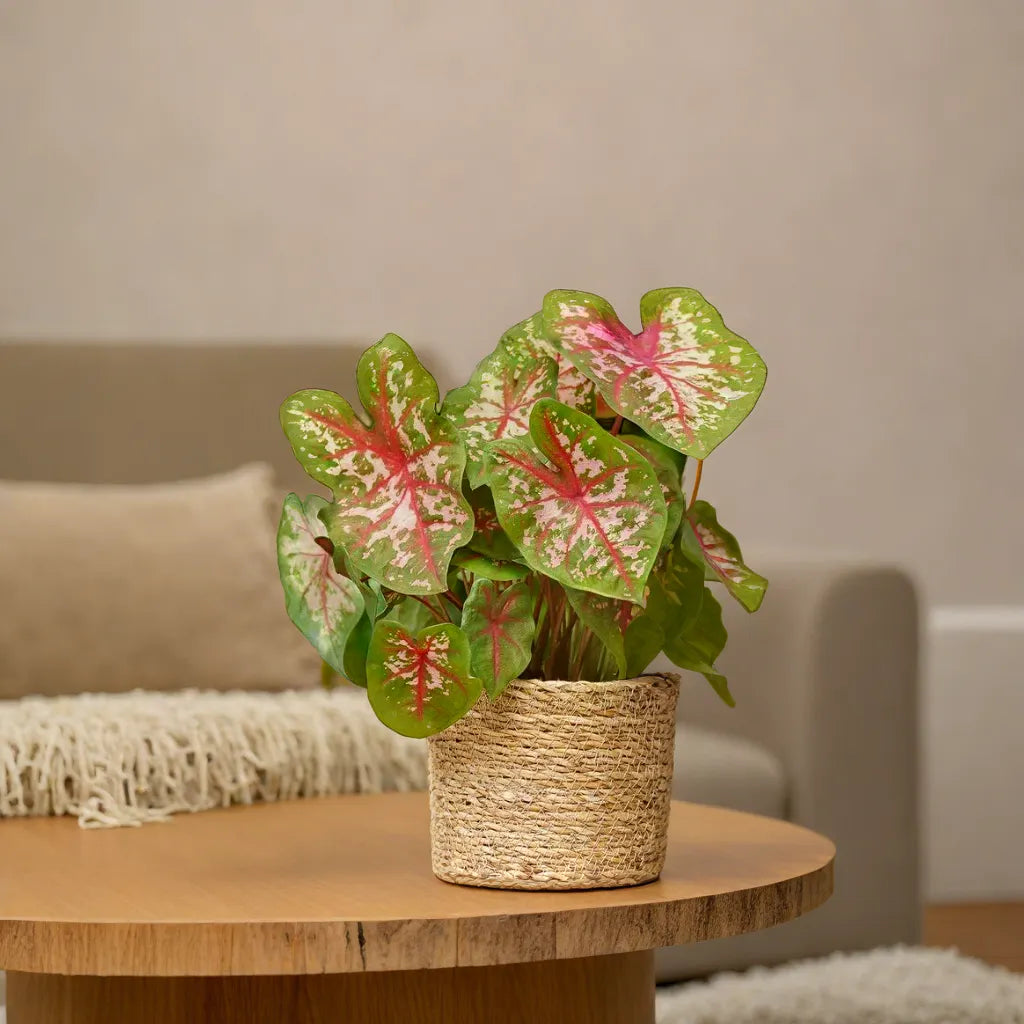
(127, 759)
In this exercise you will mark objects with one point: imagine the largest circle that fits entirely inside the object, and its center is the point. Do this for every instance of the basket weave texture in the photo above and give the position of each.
(556, 785)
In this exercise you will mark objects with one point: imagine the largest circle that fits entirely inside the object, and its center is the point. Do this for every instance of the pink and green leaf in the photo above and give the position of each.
(323, 603)
(496, 403)
(420, 683)
(498, 621)
(398, 511)
(707, 540)
(528, 342)
(697, 648)
(685, 378)
(581, 506)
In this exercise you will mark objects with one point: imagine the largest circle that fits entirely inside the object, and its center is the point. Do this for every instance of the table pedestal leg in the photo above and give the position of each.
(595, 990)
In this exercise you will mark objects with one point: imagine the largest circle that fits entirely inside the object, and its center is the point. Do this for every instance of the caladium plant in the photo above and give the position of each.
(536, 523)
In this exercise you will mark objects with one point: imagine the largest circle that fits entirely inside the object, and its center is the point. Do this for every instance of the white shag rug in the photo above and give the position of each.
(902, 985)
(128, 759)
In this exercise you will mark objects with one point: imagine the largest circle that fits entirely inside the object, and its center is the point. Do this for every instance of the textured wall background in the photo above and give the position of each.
(844, 179)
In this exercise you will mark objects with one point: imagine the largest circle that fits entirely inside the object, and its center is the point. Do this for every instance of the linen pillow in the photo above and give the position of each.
(108, 588)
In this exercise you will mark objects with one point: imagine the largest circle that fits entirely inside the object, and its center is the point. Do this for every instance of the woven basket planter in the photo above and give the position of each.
(556, 785)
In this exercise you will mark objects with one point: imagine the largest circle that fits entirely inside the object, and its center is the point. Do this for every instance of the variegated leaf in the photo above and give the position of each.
(496, 402)
(699, 647)
(527, 341)
(581, 506)
(668, 467)
(712, 543)
(398, 512)
(324, 604)
(498, 621)
(420, 683)
(685, 378)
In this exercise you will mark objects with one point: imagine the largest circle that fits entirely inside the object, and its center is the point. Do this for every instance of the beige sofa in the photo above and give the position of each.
(825, 674)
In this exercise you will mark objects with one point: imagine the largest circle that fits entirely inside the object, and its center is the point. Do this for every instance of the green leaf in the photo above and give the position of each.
(499, 624)
(699, 647)
(527, 340)
(375, 606)
(581, 506)
(413, 615)
(685, 378)
(356, 646)
(488, 537)
(676, 591)
(608, 619)
(374, 601)
(489, 568)
(496, 403)
(398, 512)
(634, 635)
(668, 466)
(324, 604)
(420, 683)
(643, 641)
(713, 545)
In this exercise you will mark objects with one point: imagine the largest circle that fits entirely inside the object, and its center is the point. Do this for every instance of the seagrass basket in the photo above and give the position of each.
(556, 785)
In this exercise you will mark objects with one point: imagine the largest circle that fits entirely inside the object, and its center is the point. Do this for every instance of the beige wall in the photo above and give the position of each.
(843, 179)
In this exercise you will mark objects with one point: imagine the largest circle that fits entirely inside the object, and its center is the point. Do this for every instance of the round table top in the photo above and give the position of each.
(344, 884)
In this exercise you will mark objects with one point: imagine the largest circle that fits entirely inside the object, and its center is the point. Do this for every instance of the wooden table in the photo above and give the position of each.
(320, 911)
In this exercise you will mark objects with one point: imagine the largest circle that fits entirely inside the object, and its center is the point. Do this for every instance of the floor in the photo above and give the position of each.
(993, 932)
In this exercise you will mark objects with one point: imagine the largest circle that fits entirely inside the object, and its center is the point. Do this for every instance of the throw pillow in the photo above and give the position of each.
(109, 588)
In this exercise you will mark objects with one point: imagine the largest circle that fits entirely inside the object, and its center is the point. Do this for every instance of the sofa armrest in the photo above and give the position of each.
(825, 676)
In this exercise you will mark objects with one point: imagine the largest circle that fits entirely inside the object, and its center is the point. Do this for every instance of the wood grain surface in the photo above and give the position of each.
(598, 990)
(343, 884)
(993, 932)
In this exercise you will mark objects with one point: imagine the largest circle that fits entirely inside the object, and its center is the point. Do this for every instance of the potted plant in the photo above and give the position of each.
(531, 539)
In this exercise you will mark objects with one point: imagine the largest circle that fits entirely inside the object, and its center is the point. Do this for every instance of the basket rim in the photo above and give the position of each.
(648, 678)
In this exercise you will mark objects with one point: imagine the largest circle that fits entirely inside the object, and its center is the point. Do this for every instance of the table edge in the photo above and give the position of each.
(239, 948)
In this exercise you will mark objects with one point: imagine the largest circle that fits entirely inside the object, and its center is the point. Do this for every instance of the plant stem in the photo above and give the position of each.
(696, 483)
(557, 616)
(560, 656)
(454, 599)
(328, 677)
(439, 615)
(616, 425)
(577, 667)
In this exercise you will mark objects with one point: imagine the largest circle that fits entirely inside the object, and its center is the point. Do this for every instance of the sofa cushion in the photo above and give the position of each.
(713, 768)
(152, 586)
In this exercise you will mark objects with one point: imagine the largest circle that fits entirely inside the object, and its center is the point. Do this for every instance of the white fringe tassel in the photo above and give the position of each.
(128, 759)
